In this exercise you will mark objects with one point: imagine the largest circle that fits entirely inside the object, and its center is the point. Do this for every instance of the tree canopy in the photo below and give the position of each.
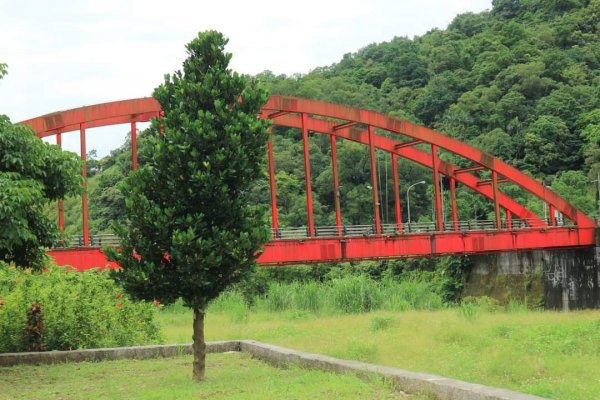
(32, 173)
(192, 230)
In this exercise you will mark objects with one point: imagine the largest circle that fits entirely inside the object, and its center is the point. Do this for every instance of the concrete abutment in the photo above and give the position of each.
(555, 279)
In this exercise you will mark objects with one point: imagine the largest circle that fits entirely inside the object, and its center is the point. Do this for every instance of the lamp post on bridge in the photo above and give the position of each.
(408, 200)
(598, 182)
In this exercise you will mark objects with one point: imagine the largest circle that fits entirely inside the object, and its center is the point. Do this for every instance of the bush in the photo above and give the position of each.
(79, 310)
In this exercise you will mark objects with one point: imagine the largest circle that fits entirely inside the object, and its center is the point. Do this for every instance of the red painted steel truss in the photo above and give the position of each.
(365, 127)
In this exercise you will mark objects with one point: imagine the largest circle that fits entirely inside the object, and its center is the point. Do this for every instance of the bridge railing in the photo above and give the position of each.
(349, 231)
(407, 228)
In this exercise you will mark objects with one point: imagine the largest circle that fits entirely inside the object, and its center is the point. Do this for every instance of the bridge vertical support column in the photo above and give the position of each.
(336, 185)
(61, 205)
(396, 193)
(309, 202)
(552, 217)
(436, 187)
(84, 195)
(453, 203)
(375, 190)
(496, 205)
(272, 187)
(134, 160)
(508, 219)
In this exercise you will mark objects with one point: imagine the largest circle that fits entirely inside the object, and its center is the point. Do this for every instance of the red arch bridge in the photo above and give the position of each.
(514, 228)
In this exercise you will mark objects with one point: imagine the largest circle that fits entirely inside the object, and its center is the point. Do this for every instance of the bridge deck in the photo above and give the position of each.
(358, 243)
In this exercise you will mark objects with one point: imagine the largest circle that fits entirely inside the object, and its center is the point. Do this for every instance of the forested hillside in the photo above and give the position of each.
(521, 81)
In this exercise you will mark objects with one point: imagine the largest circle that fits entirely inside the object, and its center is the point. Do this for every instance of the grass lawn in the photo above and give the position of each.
(229, 376)
(551, 354)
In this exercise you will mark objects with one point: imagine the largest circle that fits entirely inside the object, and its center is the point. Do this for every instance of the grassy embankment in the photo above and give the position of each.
(551, 354)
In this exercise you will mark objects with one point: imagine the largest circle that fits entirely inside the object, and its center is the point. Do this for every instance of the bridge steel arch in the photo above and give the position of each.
(360, 126)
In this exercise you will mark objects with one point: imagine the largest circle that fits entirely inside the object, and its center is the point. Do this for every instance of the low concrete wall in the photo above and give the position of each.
(117, 353)
(411, 382)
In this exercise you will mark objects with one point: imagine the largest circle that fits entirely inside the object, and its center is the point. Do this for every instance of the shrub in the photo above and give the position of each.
(79, 310)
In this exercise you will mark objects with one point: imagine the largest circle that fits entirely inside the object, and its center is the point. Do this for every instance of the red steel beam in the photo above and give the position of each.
(272, 186)
(436, 187)
(290, 252)
(448, 143)
(407, 144)
(116, 112)
(336, 185)
(496, 204)
(418, 156)
(147, 108)
(374, 189)
(398, 212)
(307, 181)
(453, 203)
(84, 194)
(491, 182)
(344, 125)
(134, 159)
(469, 169)
(333, 250)
(508, 219)
(61, 205)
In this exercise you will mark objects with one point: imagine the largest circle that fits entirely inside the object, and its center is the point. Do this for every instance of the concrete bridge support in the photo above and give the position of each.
(555, 279)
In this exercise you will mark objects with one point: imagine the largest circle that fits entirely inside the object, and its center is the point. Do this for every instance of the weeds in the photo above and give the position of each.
(381, 323)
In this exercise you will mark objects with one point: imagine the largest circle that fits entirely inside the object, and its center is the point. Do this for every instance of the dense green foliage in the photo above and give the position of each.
(192, 231)
(32, 173)
(79, 310)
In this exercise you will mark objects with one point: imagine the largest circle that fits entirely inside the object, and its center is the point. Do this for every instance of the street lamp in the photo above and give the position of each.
(598, 182)
(408, 199)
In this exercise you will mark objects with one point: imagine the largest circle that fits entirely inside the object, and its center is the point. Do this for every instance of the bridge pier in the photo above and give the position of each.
(556, 279)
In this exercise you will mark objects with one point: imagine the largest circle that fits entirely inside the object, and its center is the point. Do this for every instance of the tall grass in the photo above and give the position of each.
(344, 295)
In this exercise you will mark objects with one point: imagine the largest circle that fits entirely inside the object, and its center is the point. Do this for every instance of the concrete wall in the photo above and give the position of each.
(556, 279)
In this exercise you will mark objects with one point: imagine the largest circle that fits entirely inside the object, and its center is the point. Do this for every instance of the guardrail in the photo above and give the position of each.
(407, 228)
(302, 232)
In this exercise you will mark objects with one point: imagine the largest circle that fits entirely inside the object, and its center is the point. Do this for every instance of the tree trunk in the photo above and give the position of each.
(199, 346)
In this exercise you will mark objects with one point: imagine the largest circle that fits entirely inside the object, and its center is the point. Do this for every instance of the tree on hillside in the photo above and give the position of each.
(192, 231)
(32, 173)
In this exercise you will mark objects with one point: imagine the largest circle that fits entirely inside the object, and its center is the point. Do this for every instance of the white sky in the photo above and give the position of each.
(66, 54)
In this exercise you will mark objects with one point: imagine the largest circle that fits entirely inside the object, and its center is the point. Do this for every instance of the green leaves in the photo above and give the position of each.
(192, 231)
(32, 173)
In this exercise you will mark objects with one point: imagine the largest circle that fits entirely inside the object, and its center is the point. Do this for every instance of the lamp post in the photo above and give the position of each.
(598, 182)
(408, 200)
